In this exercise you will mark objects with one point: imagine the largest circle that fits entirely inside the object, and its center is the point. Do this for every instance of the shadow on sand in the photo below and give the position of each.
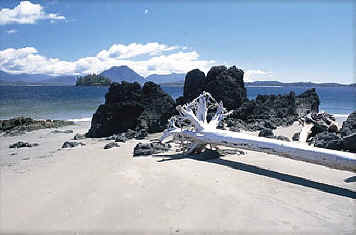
(214, 157)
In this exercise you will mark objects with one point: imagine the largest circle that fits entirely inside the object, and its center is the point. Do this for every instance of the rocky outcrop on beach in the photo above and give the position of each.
(130, 106)
(268, 133)
(271, 111)
(325, 134)
(348, 133)
(111, 145)
(307, 102)
(193, 84)
(349, 126)
(20, 125)
(62, 131)
(266, 111)
(21, 144)
(328, 140)
(150, 148)
(72, 144)
(224, 84)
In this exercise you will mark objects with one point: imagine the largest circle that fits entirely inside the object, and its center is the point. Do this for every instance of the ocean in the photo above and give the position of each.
(79, 103)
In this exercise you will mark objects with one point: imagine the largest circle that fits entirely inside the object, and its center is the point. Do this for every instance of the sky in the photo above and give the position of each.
(288, 41)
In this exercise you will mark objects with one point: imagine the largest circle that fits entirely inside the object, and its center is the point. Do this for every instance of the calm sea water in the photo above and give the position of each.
(46, 102)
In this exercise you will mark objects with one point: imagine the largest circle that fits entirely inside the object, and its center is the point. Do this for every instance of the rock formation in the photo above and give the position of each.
(348, 133)
(193, 84)
(324, 133)
(128, 106)
(150, 148)
(349, 126)
(225, 84)
(266, 111)
(72, 144)
(19, 125)
(21, 144)
(271, 111)
(308, 102)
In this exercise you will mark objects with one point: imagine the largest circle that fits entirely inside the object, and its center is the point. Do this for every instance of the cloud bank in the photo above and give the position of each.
(145, 59)
(26, 13)
(255, 75)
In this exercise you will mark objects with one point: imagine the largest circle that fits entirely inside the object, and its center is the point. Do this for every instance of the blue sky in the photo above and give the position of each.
(271, 40)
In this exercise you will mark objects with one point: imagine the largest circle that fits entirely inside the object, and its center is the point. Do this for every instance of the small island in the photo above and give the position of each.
(93, 80)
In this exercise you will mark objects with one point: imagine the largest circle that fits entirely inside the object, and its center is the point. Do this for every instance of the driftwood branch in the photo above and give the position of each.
(203, 133)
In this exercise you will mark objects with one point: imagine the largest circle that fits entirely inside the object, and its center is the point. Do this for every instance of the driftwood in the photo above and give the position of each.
(202, 132)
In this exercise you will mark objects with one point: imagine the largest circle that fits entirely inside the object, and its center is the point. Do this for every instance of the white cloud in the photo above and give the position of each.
(159, 58)
(26, 13)
(146, 11)
(11, 31)
(134, 49)
(254, 75)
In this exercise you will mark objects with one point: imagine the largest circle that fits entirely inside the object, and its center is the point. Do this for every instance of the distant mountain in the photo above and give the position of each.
(297, 84)
(35, 79)
(264, 83)
(24, 77)
(60, 81)
(166, 78)
(123, 73)
(273, 83)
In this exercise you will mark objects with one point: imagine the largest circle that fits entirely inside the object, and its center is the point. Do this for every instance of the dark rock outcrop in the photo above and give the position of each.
(128, 106)
(328, 140)
(150, 148)
(318, 127)
(266, 133)
(121, 138)
(349, 142)
(20, 125)
(349, 126)
(62, 131)
(130, 134)
(283, 138)
(348, 133)
(267, 111)
(193, 84)
(71, 144)
(224, 84)
(21, 144)
(111, 145)
(296, 136)
(307, 102)
(325, 134)
(333, 128)
(271, 111)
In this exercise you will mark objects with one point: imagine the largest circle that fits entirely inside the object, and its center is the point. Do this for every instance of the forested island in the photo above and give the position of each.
(93, 80)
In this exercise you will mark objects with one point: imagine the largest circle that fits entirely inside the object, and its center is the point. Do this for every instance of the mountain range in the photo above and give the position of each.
(124, 73)
(275, 84)
(115, 74)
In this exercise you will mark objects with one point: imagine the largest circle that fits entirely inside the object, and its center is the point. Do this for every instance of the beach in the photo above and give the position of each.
(91, 189)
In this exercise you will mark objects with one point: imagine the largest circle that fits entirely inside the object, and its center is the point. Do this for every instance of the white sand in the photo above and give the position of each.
(87, 188)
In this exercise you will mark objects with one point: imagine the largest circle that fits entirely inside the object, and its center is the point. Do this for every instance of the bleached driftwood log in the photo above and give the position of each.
(203, 133)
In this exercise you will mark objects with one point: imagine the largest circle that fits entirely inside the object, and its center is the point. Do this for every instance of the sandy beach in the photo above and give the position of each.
(88, 189)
